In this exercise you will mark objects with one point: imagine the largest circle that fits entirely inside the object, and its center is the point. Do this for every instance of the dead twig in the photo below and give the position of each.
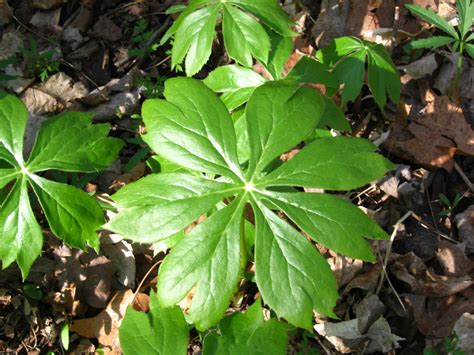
(144, 278)
(387, 256)
(464, 177)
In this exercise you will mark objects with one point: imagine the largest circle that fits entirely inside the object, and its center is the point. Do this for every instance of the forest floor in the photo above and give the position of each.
(421, 286)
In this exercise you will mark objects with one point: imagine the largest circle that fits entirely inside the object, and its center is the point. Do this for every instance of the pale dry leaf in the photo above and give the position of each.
(47, 20)
(368, 311)
(64, 88)
(346, 337)
(344, 269)
(464, 329)
(421, 67)
(465, 224)
(40, 103)
(104, 326)
(123, 259)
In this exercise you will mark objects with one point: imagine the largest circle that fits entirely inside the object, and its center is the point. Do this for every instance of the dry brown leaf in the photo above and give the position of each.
(465, 224)
(141, 303)
(92, 275)
(367, 281)
(106, 29)
(46, 4)
(5, 13)
(331, 21)
(453, 259)
(368, 311)
(40, 103)
(437, 316)
(104, 326)
(122, 257)
(434, 134)
(133, 175)
(54, 95)
(344, 269)
(47, 20)
(410, 269)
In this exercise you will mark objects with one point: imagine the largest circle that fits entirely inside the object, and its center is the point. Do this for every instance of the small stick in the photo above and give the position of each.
(464, 177)
(144, 278)
(396, 24)
(387, 255)
(432, 229)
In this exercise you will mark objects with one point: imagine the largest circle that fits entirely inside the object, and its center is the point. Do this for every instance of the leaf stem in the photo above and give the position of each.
(454, 85)
(243, 244)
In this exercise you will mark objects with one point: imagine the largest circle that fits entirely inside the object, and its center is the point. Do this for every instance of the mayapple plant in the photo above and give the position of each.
(193, 128)
(347, 57)
(67, 142)
(459, 39)
(245, 36)
(341, 64)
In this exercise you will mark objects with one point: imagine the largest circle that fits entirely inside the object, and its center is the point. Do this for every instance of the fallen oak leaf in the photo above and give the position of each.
(435, 134)
(453, 259)
(104, 326)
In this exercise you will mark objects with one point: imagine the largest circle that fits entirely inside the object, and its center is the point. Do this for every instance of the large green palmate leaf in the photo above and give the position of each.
(181, 128)
(244, 35)
(281, 49)
(162, 331)
(248, 333)
(194, 129)
(270, 13)
(66, 142)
